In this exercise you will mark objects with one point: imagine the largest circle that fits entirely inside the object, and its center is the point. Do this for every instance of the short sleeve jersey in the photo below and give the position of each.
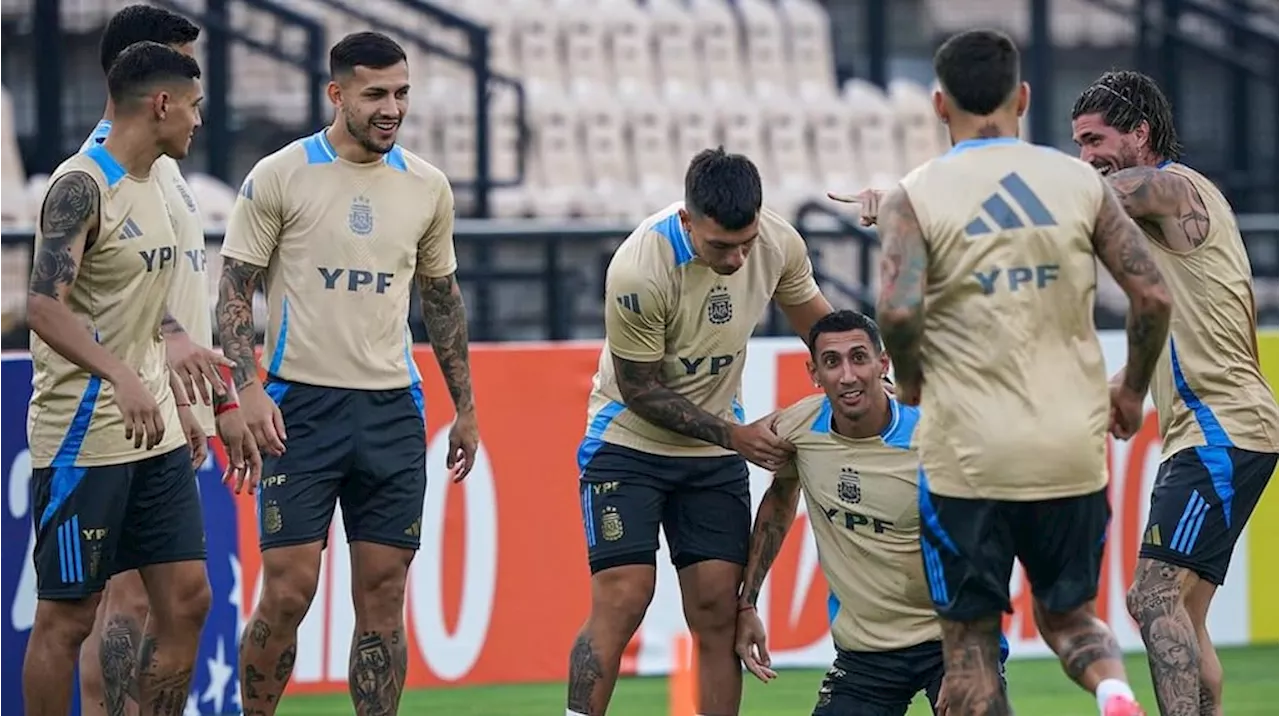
(664, 305)
(862, 498)
(1015, 401)
(341, 243)
(119, 297)
(189, 297)
(1208, 386)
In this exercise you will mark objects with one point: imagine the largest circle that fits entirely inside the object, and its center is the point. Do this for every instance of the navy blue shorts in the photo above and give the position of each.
(95, 522)
(1200, 502)
(703, 504)
(365, 449)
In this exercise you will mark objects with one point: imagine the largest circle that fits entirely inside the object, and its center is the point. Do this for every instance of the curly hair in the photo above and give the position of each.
(1126, 99)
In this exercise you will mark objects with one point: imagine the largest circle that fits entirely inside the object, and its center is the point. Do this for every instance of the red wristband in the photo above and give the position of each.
(231, 405)
(746, 608)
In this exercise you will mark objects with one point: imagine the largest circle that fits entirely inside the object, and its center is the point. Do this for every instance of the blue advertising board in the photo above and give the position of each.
(214, 690)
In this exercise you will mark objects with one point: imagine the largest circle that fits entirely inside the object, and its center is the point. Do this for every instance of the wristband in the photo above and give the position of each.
(746, 608)
(184, 405)
(229, 405)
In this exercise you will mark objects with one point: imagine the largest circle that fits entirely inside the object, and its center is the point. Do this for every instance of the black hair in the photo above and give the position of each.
(724, 188)
(138, 23)
(1125, 100)
(145, 63)
(978, 69)
(843, 322)
(364, 49)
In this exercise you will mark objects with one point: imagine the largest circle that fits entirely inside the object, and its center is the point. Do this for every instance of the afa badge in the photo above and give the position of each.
(360, 217)
(849, 488)
(719, 306)
(611, 525)
(271, 520)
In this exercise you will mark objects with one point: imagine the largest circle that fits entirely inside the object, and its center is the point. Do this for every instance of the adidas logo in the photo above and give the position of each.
(130, 229)
(998, 213)
(1152, 536)
(631, 302)
(247, 189)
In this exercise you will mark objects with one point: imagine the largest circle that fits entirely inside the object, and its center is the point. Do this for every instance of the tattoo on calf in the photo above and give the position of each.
(118, 657)
(972, 662)
(377, 673)
(1173, 649)
(584, 672)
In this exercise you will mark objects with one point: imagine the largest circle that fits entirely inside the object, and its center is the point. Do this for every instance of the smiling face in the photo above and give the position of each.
(372, 103)
(1105, 147)
(850, 369)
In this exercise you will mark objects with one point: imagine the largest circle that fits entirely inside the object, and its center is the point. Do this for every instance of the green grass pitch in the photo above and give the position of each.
(1037, 686)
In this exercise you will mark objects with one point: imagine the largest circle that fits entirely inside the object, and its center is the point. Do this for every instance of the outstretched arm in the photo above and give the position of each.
(774, 517)
(68, 219)
(904, 262)
(1154, 195)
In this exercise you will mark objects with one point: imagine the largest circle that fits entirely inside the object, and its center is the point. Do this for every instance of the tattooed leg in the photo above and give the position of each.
(619, 598)
(1084, 644)
(113, 648)
(972, 658)
(50, 664)
(379, 653)
(1199, 596)
(1173, 649)
(269, 645)
(178, 594)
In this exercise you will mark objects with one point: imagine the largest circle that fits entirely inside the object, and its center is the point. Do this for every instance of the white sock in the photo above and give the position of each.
(1109, 688)
(571, 712)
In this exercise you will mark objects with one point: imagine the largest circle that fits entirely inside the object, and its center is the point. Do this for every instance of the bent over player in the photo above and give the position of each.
(340, 225)
(108, 656)
(857, 469)
(113, 484)
(664, 443)
(986, 305)
(1217, 414)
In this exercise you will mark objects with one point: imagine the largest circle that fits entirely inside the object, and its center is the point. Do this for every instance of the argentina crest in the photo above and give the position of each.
(719, 306)
(360, 217)
(611, 525)
(849, 487)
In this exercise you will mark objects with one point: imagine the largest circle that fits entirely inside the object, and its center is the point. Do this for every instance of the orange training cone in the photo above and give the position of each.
(683, 683)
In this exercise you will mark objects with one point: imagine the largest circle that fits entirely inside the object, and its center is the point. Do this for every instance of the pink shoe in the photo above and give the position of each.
(1122, 706)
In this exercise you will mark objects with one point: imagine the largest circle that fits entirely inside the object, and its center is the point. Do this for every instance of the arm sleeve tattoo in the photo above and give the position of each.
(1150, 193)
(446, 317)
(904, 262)
(1122, 248)
(236, 331)
(645, 395)
(774, 517)
(70, 211)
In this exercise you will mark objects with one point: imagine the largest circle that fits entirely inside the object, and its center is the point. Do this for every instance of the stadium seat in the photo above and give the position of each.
(630, 46)
(696, 130)
(792, 178)
(742, 129)
(607, 160)
(835, 154)
(15, 270)
(586, 56)
(538, 39)
(917, 123)
(720, 47)
(564, 181)
(658, 168)
(14, 209)
(36, 184)
(677, 54)
(944, 17)
(766, 48)
(874, 130)
(813, 64)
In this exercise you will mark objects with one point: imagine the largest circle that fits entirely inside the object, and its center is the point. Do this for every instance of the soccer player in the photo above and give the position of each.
(113, 482)
(1217, 415)
(338, 227)
(986, 307)
(108, 655)
(664, 443)
(857, 469)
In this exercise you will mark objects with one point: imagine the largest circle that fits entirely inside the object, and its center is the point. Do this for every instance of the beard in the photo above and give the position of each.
(362, 133)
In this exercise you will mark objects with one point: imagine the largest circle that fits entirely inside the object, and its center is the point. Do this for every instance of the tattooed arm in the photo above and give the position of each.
(68, 223)
(446, 319)
(645, 395)
(1121, 247)
(234, 312)
(904, 261)
(774, 518)
(1165, 198)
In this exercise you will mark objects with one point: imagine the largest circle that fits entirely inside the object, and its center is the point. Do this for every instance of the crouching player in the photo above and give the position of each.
(858, 472)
